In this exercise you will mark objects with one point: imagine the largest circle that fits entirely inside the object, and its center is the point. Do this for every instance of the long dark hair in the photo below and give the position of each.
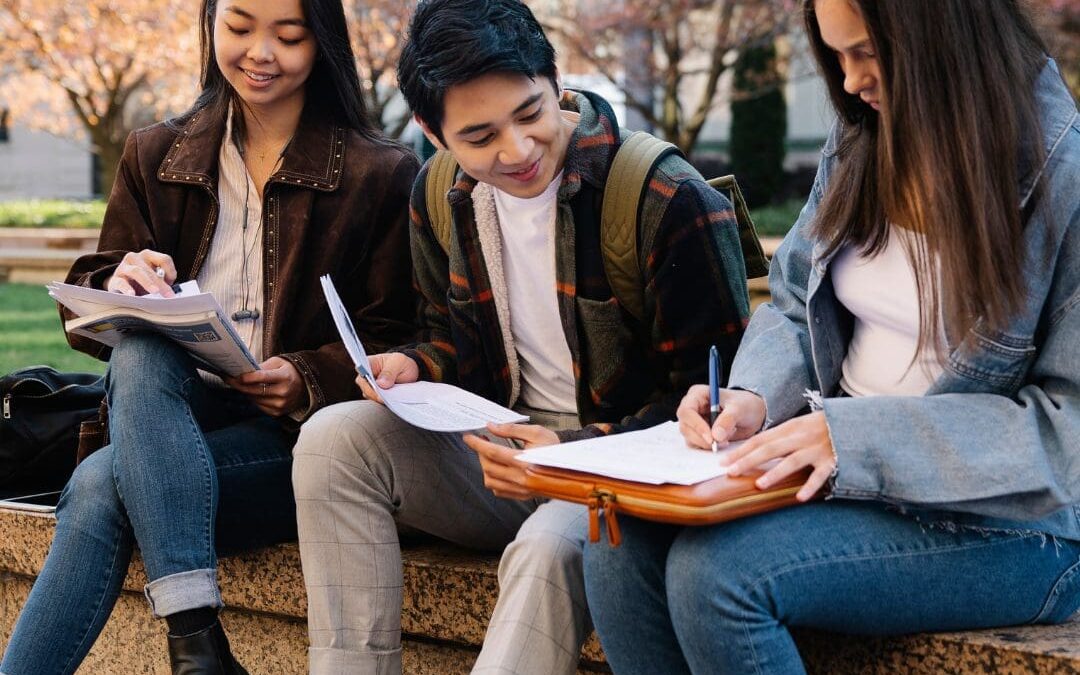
(333, 86)
(943, 158)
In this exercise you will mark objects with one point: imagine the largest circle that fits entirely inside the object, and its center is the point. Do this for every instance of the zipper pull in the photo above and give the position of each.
(614, 535)
(7, 406)
(594, 519)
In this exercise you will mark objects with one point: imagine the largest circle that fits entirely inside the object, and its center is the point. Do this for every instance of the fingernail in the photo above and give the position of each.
(762, 483)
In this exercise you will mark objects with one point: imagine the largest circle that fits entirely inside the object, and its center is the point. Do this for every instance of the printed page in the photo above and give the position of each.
(442, 407)
(205, 335)
(428, 405)
(345, 328)
(191, 318)
(85, 301)
(656, 456)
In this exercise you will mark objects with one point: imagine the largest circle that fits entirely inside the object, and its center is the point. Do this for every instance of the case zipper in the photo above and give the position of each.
(7, 406)
(602, 500)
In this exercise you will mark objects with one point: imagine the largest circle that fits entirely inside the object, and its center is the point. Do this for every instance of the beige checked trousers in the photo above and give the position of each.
(359, 473)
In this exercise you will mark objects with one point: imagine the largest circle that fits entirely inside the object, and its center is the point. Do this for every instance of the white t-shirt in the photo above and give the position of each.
(881, 293)
(527, 228)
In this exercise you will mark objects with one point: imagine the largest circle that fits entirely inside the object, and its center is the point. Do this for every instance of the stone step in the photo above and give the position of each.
(448, 596)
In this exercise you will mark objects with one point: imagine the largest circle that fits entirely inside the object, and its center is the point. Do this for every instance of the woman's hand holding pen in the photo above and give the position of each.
(797, 443)
(143, 273)
(503, 473)
(742, 414)
(276, 388)
(388, 370)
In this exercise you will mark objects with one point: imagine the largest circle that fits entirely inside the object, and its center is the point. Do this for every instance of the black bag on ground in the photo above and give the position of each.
(39, 427)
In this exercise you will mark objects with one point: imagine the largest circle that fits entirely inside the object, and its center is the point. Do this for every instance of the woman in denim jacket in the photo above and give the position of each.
(927, 303)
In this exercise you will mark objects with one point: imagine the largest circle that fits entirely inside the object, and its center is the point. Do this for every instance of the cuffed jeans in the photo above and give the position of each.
(190, 470)
(721, 599)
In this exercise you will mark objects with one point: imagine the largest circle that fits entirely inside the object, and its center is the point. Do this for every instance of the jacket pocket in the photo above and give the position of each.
(461, 312)
(993, 361)
(606, 343)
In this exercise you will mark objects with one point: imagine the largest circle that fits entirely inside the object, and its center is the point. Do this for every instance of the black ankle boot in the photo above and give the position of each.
(203, 653)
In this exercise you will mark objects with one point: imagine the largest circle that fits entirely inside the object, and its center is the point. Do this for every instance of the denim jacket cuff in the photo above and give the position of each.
(858, 475)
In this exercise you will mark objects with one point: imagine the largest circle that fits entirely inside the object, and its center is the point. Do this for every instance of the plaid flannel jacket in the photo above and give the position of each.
(629, 374)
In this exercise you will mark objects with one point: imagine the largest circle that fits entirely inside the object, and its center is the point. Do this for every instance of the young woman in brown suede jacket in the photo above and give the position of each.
(273, 178)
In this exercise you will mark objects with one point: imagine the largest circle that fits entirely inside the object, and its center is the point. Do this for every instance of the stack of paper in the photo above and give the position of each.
(656, 456)
(192, 319)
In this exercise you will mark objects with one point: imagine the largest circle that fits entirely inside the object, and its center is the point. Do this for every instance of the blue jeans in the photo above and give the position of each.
(721, 599)
(190, 470)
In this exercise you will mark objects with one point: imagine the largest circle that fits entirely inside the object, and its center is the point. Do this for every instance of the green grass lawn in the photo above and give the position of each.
(30, 332)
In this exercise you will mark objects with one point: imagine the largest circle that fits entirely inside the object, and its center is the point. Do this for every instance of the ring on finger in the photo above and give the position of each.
(264, 387)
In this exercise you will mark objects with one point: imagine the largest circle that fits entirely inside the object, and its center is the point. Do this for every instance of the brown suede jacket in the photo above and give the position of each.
(338, 204)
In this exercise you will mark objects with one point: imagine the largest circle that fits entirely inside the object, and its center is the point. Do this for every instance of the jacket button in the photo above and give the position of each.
(817, 320)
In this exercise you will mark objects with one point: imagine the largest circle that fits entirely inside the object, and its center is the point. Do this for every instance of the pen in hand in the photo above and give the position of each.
(160, 272)
(714, 391)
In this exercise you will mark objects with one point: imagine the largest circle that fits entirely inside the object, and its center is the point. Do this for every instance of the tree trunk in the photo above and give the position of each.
(108, 153)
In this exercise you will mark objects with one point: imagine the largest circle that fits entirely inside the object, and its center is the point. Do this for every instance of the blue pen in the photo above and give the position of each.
(714, 391)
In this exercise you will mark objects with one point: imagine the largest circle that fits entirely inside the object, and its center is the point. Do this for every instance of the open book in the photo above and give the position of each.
(429, 405)
(192, 319)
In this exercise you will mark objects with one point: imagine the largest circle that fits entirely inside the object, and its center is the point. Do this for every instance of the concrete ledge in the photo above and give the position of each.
(448, 596)
(36, 265)
(49, 237)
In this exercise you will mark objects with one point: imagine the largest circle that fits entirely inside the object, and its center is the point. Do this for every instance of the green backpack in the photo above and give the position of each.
(627, 181)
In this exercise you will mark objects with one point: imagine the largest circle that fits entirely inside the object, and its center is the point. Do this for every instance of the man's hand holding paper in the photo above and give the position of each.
(504, 474)
(388, 370)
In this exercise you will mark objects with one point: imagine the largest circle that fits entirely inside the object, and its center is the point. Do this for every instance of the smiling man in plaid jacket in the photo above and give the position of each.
(515, 307)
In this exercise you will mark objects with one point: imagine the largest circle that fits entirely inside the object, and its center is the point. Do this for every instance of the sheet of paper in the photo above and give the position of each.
(429, 405)
(345, 327)
(85, 301)
(442, 407)
(656, 456)
(182, 290)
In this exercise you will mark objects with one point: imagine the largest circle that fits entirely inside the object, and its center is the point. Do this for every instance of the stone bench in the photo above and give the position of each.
(448, 597)
(79, 239)
(36, 265)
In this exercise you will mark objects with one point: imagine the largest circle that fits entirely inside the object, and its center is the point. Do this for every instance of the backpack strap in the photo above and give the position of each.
(440, 178)
(626, 184)
(757, 265)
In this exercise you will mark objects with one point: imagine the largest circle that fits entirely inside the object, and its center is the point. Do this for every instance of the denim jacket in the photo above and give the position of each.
(995, 442)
